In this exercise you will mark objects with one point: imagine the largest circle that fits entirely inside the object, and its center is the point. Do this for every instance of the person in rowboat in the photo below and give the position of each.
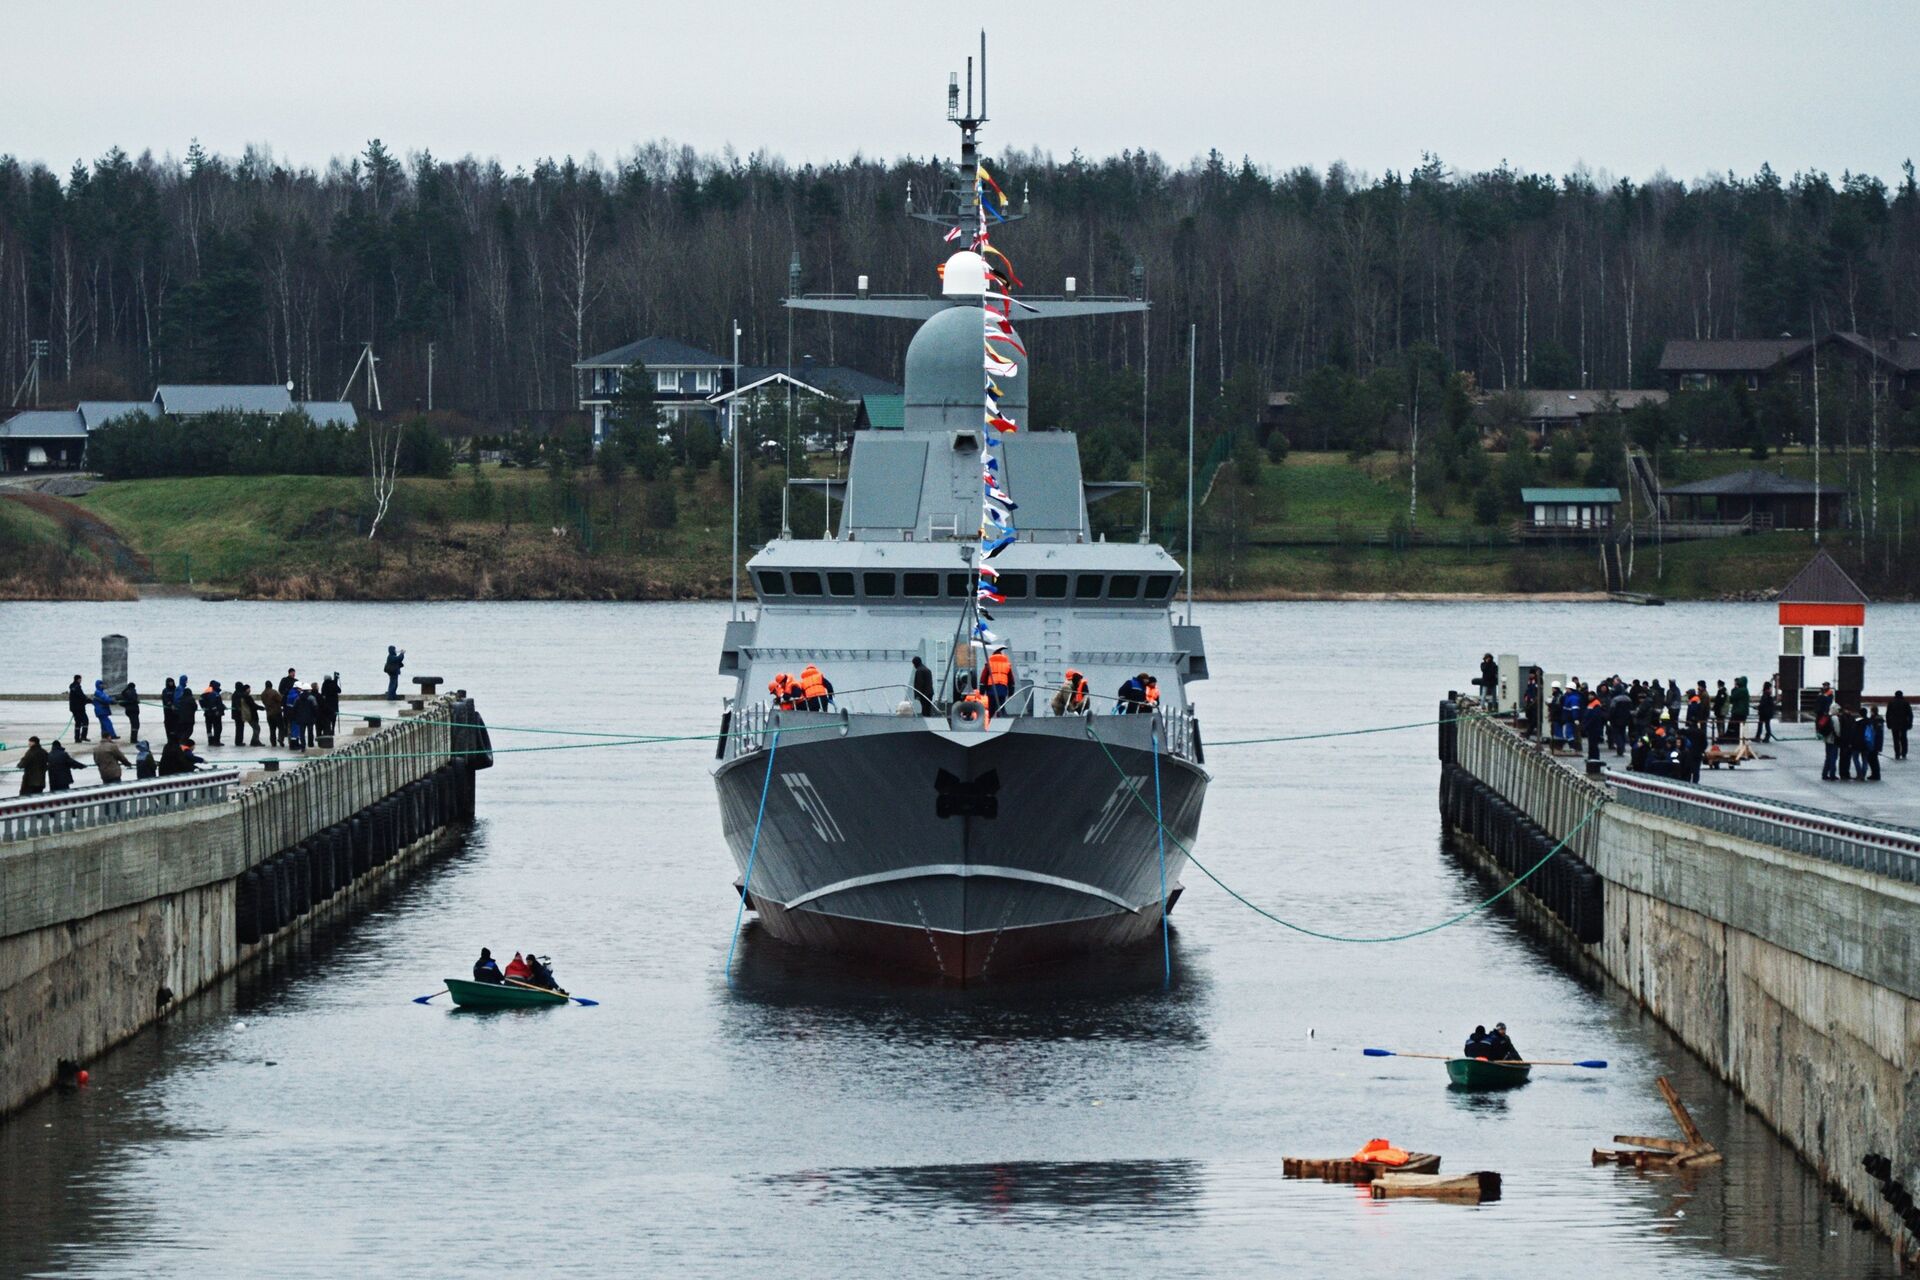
(517, 968)
(538, 974)
(485, 970)
(1499, 1048)
(1477, 1045)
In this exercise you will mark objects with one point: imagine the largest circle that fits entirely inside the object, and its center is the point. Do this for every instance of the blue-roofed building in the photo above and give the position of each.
(182, 400)
(330, 413)
(43, 439)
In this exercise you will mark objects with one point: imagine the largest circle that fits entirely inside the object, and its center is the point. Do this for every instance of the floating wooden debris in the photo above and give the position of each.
(1691, 1152)
(1356, 1171)
(1468, 1188)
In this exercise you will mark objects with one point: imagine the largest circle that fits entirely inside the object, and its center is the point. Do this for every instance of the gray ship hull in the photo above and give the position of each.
(958, 852)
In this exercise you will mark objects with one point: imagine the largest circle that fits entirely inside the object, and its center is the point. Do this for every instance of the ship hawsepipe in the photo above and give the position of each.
(937, 846)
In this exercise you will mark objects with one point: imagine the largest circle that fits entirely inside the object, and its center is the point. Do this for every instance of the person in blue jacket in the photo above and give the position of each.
(103, 708)
(294, 726)
(396, 659)
(485, 969)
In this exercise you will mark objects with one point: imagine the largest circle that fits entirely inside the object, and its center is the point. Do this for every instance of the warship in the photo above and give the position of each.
(935, 834)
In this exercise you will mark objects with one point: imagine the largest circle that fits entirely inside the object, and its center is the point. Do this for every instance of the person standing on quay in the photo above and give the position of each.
(330, 704)
(1899, 722)
(109, 760)
(1873, 735)
(103, 708)
(33, 768)
(396, 659)
(60, 767)
(272, 703)
(77, 707)
(130, 703)
(246, 715)
(1764, 732)
(216, 710)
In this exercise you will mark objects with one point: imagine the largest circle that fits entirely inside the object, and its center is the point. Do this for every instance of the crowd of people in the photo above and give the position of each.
(297, 717)
(1668, 731)
(982, 698)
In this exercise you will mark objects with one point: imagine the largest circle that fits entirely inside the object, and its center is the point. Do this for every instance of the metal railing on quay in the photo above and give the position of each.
(1883, 849)
(29, 816)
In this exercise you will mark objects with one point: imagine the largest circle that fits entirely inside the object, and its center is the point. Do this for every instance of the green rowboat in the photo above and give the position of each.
(1478, 1073)
(493, 995)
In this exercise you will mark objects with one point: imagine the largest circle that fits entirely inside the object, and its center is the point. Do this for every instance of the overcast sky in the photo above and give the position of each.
(1625, 87)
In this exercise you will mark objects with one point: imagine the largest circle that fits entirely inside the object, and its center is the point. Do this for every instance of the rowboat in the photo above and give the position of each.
(1478, 1073)
(494, 995)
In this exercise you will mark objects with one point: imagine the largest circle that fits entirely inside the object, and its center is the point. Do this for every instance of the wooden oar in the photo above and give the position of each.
(552, 991)
(1590, 1063)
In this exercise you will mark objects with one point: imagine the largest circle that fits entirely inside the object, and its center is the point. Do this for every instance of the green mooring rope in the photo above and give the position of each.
(1315, 933)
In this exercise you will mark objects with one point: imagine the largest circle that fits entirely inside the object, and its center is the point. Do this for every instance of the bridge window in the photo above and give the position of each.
(1013, 586)
(1159, 586)
(1050, 586)
(806, 582)
(958, 585)
(920, 585)
(840, 584)
(1087, 586)
(772, 584)
(878, 584)
(1123, 586)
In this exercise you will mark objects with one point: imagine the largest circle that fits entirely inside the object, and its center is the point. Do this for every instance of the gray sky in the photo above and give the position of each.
(1627, 87)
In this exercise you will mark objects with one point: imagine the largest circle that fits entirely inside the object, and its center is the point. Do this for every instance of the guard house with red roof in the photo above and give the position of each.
(1823, 615)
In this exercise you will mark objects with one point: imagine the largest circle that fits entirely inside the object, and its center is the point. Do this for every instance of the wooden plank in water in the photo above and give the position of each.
(1345, 1170)
(1680, 1116)
(1671, 1145)
(1467, 1188)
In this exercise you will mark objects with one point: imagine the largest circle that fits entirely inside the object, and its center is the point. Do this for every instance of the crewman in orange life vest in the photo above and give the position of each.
(815, 688)
(1071, 697)
(976, 705)
(999, 679)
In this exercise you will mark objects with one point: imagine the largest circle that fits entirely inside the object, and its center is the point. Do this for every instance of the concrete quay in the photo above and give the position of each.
(1779, 941)
(118, 902)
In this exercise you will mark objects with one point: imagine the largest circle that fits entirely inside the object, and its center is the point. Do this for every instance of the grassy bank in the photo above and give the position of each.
(1316, 525)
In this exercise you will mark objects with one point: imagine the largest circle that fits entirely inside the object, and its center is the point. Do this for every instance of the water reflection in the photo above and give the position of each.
(1087, 1191)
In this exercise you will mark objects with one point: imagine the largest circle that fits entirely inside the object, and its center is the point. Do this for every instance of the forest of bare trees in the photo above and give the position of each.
(139, 270)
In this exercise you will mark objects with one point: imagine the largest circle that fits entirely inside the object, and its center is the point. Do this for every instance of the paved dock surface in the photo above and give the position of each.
(1788, 770)
(22, 719)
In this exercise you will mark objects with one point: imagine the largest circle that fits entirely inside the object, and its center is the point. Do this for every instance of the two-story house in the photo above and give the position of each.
(684, 377)
(1689, 364)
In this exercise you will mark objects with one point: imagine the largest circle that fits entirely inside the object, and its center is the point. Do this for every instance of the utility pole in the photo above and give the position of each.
(793, 291)
(1813, 353)
(1193, 341)
(430, 377)
(733, 429)
(1146, 352)
(37, 348)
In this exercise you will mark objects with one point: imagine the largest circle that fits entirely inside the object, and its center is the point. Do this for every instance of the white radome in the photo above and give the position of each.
(964, 276)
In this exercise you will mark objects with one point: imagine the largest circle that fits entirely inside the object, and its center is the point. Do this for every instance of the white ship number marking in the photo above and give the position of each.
(1115, 809)
(807, 797)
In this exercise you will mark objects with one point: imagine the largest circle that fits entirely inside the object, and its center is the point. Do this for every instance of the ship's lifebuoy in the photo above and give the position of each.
(969, 712)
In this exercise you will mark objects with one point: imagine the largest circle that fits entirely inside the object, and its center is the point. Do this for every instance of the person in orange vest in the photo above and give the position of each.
(1070, 699)
(1153, 693)
(999, 681)
(517, 968)
(815, 689)
(977, 699)
(784, 689)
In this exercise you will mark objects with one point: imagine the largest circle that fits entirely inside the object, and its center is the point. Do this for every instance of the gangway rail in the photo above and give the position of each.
(1879, 848)
(29, 816)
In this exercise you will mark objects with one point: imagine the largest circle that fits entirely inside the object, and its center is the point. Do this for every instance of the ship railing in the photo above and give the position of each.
(31, 816)
(1180, 734)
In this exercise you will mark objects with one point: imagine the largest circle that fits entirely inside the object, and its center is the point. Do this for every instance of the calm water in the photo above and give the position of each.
(306, 1119)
